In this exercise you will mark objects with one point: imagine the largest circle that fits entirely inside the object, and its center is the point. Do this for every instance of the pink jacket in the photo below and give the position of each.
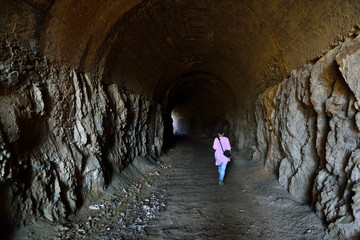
(219, 156)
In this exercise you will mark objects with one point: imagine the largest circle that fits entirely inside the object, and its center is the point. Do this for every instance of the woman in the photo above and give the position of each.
(220, 159)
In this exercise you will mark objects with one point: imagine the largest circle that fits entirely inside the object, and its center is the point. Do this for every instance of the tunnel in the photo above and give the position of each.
(86, 87)
(198, 104)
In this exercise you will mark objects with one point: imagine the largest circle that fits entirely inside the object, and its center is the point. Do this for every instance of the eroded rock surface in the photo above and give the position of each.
(65, 135)
(307, 134)
(79, 81)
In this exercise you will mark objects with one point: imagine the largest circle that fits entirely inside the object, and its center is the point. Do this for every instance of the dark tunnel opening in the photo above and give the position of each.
(197, 104)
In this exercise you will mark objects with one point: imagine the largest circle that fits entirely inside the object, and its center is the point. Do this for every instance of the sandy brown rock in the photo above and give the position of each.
(67, 136)
(312, 148)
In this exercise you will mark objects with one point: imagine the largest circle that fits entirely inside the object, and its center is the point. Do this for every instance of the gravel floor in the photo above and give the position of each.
(179, 198)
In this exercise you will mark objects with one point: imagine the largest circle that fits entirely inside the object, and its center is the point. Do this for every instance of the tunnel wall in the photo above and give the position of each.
(308, 135)
(64, 135)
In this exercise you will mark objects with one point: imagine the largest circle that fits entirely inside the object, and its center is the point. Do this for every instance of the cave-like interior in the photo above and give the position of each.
(86, 87)
(155, 48)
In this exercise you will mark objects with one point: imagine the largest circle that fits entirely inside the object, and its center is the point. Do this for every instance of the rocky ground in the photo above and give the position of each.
(179, 198)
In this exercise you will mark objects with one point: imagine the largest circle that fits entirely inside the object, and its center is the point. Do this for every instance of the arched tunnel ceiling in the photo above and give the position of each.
(147, 45)
(205, 91)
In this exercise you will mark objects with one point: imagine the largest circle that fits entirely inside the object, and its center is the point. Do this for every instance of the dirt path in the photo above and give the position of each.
(251, 205)
(183, 200)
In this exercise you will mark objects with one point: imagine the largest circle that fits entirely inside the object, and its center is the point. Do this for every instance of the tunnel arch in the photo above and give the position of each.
(173, 37)
(143, 44)
(203, 101)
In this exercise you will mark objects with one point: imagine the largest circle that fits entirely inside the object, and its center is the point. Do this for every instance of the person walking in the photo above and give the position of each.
(221, 144)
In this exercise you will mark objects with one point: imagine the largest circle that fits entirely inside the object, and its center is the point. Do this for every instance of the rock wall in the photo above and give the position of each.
(308, 136)
(64, 135)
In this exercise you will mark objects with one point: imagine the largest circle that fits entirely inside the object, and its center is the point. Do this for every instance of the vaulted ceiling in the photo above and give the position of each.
(148, 46)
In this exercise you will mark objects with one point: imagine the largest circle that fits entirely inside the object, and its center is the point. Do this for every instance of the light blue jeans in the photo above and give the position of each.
(222, 168)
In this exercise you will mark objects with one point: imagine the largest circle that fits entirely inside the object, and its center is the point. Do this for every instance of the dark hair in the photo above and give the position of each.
(221, 132)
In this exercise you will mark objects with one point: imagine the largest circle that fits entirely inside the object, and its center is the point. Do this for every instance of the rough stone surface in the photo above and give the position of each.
(78, 81)
(289, 121)
(65, 135)
(307, 135)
